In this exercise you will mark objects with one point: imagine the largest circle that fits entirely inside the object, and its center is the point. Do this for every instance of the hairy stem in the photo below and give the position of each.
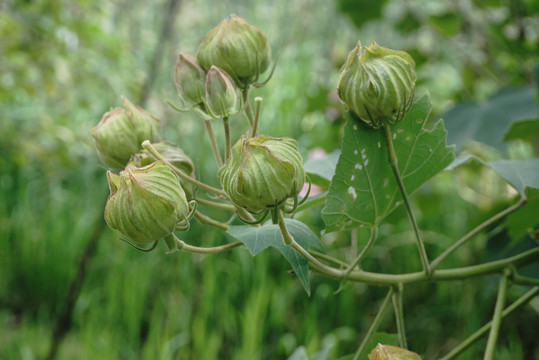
(205, 250)
(436, 262)
(393, 161)
(248, 110)
(523, 300)
(227, 137)
(258, 107)
(151, 149)
(204, 219)
(215, 204)
(399, 315)
(213, 141)
(374, 325)
(497, 318)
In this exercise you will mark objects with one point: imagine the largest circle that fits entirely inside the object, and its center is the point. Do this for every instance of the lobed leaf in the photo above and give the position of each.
(257, 239)
(364, 190)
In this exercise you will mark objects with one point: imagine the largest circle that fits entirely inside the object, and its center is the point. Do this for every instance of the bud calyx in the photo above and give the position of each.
(262, 172)
(377, 84)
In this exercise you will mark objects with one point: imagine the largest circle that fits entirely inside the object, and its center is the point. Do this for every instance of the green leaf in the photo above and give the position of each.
(321, 171)
(488, 122)
(364, 191)
(525, 129)
(257, 239)
(520, 222)
(521, 174)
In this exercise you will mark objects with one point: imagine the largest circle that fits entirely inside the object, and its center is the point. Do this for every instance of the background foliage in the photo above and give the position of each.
(64, 63)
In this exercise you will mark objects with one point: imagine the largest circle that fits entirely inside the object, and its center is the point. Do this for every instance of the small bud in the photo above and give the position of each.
(377, 84)
(121, 131)
(223, 97)
(174, 155)
(389, 352)
(145, 204)
(190, 78)
(238, 48)
(262, 172)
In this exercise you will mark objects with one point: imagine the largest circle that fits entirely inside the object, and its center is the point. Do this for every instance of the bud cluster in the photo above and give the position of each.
(230, 59)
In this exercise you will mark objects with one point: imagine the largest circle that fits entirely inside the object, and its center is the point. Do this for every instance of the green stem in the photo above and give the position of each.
(436, 262)
(227, 137)
(497, 318)
(213, 141)
(393, 161)
(374, 325)
(148, 146)
(258, 107)
(329, 258)
(374, 233)
(521, 259)
(399, 315)
(215, 204)
(204, 219)
(523, 300)
(248, 110)
(205, 250)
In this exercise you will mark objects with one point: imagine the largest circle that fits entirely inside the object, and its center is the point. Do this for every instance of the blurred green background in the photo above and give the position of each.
(70, 290)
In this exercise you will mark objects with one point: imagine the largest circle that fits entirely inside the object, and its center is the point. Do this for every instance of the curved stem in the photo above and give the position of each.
(258, 107)
(329, 258)
(523, 300)
(213, 141)
(248, 110)
(204, 219)
(215, 204)
(374, 325)
(436, 262)
(522, 259)
(374, 233)
(227, 137)
(205, 250)
(399, 315)
(393, 161)
(497, 318)
(148, 146)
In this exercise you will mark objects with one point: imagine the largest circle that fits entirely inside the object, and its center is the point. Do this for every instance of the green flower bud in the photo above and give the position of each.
(262, 172)
(121, 131)
(174, 155)
(377, 84)
(190, 78)
(145, 204)
(238, 48)
(389, 352)
(223, 98)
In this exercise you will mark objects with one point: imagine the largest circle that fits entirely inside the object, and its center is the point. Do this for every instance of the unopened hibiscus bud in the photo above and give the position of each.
(223, 98)
(262, 172)
(145, 204)
(190, 78)
(121, 131)
(377, 84)
(238, 48)
(174, 155)
(389, 352)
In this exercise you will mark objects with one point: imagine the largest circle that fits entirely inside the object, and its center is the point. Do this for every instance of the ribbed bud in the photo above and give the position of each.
(377, 84)
(238, 48)
(174, 155)
(121, 131)
(223, 98)
(190, 78)
(145, 204)
(389, 352)
(262, 172)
